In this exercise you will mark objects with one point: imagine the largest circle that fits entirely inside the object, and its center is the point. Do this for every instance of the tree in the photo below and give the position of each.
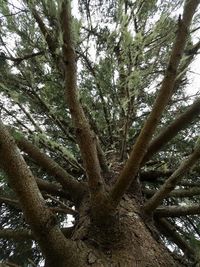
(97, 123)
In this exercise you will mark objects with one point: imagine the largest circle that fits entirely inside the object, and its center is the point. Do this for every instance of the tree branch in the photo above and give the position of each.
(51, 42)
(152, 175)
(38, 216)
(72, 187)
(177, 211)
(11, 202)
(18, 60)
(52, 188)
(180, 193)
(17, 235)
(172, 130)
(25, 234)
(85, 136)
(64, 207)
(139, 150)
(104, 105)
(171, 182)
(168, 230)
(159, 177)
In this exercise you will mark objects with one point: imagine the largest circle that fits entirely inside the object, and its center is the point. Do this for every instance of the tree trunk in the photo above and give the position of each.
(127, 242)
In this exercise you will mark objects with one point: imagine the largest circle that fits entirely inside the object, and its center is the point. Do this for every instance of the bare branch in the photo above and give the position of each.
(152, 175)
(18, 60)
(170, 232)
(72, 187)
(51, 188)
(171, 182)
(177, 211)
(85, 136)
(189, 183)
(172, 130)
(11, 202)
(17, 235)
(25, 234)
(64, 207)
(41, 220)
(9, 264)
(180, 193)
(139, 150)
(159, 177)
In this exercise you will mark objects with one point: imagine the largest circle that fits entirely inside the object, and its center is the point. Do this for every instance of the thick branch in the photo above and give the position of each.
(172, 130)
(171, 182)
(177, 211)
(11, 202)
(190, 192)
(72, 187)
(52, 188)
(159, 177)
(85, 136)
(139, 150)
(149, 176)
(41, 220)
(17, 235)
(63, 207)
(25, 234)
(171, 233)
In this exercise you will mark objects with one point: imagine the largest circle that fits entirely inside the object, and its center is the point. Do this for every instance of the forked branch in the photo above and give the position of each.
(72, 187)
(172, 130)
(85, 136)
(38, 216)
(171, 182)
(132, 166)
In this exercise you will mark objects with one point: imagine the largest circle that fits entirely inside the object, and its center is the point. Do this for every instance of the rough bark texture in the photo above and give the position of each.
(128, 242)
(112, 227)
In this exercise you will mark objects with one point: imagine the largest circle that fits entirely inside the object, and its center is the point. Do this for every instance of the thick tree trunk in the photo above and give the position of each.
(129, 242)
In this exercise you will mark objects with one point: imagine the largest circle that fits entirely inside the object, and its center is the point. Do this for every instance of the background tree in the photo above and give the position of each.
(97, 123)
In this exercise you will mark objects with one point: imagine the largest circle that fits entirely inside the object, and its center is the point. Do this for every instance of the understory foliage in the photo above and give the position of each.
(127, 119)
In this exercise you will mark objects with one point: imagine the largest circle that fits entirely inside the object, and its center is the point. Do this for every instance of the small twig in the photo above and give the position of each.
(65, 208)
(18, 60)
(13, 14)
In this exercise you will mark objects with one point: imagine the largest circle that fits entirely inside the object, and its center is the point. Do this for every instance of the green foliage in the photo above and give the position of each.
(122, 51)
(17, 136)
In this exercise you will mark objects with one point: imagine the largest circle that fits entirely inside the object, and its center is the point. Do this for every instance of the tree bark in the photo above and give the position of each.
(128, 242)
